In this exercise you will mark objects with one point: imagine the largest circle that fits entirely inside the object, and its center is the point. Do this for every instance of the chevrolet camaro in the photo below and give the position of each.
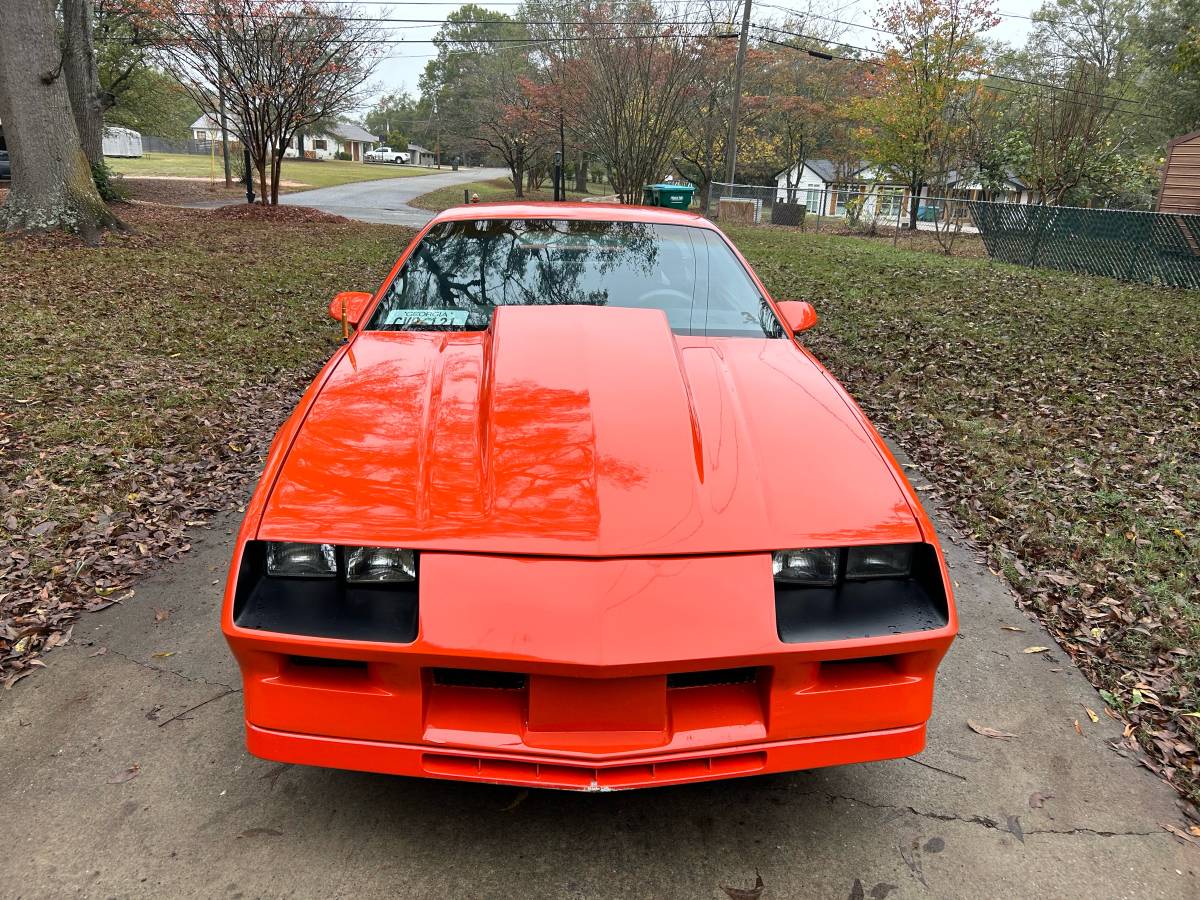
(572, 506)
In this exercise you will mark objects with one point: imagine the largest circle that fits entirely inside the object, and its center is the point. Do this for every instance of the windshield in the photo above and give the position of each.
(463, 270)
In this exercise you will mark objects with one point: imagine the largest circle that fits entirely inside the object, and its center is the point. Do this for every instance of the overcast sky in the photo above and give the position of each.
(404, 62)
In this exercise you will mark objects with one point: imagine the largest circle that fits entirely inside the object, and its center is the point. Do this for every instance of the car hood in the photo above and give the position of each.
(583, 431)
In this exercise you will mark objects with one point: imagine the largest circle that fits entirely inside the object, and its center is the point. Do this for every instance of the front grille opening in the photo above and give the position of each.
(712, 677)
(480, 678)
(327, 662)
(842, 665)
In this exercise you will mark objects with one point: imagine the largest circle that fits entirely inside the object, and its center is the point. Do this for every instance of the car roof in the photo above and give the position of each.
(592, 212)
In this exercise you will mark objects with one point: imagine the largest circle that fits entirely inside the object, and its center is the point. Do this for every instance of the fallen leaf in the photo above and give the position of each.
(1035, 649)
(745, 893)
(516, 801)
(126, 774)
(1014, 827)
(1011, 628)
(1078, 728)
(164, 654)
(100, 652)
(989, 732)
(1037, 799)
(1180, 833)
(160, 615)
(1091, 715)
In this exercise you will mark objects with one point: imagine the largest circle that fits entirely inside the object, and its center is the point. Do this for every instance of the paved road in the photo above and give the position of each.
(385, 202)
(202, 819)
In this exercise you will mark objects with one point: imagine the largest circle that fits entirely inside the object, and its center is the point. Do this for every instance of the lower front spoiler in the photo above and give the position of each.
(425, 761)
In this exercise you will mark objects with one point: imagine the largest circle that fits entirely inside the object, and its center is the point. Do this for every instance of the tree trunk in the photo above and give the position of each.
(83, 83)
(276, 169)
(914, 201)
(581, 184)
(52, 185)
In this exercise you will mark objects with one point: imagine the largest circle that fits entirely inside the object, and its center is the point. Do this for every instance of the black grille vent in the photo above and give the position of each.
(480, 678)
(712, 677)
(325, 662)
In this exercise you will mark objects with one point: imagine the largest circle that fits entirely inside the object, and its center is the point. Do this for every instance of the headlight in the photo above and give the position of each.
(890, 561)
(379, 564)
(815, 567)
(291, 560)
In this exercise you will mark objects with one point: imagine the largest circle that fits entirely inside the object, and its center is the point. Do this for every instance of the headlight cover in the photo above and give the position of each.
(888, 561)
(287, 559)
(812, 566)
(380, 565)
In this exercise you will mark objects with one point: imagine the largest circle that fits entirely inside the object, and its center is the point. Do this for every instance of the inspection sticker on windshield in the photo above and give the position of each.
(429, 318)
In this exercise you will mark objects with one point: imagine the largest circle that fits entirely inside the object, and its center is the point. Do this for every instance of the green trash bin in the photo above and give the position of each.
(672, 196)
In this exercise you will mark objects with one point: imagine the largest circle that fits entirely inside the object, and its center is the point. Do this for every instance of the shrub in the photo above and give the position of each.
(106, 184)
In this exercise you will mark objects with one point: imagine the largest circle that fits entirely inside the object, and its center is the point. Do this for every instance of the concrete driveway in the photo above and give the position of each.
(124, 775)
(385, 202)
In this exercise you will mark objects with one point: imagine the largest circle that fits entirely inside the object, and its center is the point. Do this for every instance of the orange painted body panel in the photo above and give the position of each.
(595, 501)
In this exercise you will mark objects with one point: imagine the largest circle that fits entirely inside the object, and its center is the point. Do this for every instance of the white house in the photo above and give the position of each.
(208, 128)
(346, 137)
(825, 186)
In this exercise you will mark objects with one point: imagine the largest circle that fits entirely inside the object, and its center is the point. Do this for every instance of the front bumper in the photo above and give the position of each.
(588, 676)
(655, 770)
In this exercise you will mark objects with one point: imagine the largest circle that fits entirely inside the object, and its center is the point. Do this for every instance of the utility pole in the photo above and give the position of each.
(561, 187)
(731, 149)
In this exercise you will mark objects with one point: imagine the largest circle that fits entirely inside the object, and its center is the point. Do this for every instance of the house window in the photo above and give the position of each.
(319, 144)
(812, 200)
(889, 203)
(843, 197)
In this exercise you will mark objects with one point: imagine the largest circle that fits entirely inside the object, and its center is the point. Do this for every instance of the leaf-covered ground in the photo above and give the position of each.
(1059, 415)
(140, 384)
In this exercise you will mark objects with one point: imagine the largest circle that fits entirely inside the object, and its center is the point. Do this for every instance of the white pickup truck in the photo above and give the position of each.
(387, 155)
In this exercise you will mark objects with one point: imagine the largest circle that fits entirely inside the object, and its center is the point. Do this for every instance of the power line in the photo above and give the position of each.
(981, 72)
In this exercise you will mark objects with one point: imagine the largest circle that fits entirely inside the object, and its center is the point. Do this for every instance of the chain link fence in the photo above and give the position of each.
(1155, 248)
(831, 208)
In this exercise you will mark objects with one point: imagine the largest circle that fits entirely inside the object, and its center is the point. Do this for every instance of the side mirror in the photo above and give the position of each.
(798, 314)
(349, 306)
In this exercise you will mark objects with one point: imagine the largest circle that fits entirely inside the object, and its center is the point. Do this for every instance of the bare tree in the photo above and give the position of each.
(284, 65)
(635, 83)
(52, 185)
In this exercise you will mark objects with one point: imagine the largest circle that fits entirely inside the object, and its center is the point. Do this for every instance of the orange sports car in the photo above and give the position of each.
(571, 507)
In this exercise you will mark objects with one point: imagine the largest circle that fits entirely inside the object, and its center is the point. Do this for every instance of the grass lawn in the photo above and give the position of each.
(1059, 415)
(500, 189)
(311, 173)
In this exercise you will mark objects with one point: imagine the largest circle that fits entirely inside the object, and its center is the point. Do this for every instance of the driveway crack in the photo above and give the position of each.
(990, 823)
(195, 679)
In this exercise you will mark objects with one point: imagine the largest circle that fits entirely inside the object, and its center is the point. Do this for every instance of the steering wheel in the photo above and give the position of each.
(649, 299)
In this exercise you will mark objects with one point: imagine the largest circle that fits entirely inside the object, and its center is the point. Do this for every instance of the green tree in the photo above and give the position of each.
(918, 111)
(393, 117)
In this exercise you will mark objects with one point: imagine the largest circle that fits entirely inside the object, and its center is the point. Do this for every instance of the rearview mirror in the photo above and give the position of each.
(798, 314)
(349, 306)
